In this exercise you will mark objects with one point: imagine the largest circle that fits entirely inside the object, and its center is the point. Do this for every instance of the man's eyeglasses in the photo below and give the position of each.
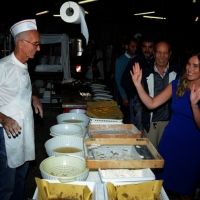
(36, 44)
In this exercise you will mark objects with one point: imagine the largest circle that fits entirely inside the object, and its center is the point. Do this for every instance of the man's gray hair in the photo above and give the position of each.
(20, 36)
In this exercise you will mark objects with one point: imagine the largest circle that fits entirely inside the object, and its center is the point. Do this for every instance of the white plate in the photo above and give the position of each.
(102, 98)
(98, 85)
(103, 95)
(99, 90)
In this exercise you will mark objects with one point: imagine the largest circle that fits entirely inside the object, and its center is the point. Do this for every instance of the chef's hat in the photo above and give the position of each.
(25, 25)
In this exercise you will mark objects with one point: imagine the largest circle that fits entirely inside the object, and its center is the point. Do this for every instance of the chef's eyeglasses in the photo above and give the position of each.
(36, 44)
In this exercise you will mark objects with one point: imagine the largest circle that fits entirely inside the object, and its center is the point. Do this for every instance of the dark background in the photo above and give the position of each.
(108, 18)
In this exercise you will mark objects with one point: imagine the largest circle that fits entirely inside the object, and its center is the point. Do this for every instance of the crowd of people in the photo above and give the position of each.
(161, 98)
(163, 101)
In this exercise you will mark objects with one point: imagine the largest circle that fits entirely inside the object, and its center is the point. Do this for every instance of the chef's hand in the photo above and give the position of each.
(11, 127)
(37, 106)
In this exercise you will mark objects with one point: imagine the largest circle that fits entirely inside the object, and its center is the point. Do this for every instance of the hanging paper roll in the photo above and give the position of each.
(71, 12)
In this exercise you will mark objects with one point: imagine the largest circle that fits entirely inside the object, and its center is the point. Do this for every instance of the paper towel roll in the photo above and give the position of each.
(71, 12)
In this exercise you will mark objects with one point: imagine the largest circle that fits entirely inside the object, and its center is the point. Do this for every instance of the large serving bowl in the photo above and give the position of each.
(68, 130)
(65, 168)
(64, 145)
(81, 111)
(73, 118)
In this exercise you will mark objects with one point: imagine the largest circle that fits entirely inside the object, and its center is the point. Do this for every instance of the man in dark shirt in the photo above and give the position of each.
(154, 79)
(145, 60)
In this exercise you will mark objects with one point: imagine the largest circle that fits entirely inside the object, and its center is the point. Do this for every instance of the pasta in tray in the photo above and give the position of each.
(102, 110)
(59, 191)
(146, 191)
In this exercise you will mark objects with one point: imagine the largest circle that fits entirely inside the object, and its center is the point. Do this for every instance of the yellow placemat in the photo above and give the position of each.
(104, 110)
(145, 191)
(53, 191)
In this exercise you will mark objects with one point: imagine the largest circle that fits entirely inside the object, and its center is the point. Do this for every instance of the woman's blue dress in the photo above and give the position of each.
(180, 147)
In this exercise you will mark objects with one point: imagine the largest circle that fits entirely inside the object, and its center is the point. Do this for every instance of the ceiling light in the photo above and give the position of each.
(196, 19)
(86, 1)
(193, 1)
(144, 13)
(43, 12)
(154, 17)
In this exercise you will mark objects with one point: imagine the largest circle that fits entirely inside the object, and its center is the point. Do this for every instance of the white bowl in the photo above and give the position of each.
(73, 118)
(68, 130)
(81, 111)
(65, 141)
(65, 168)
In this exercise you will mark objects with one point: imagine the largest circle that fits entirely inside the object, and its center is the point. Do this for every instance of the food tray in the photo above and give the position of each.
(121, 153)
(105, 121)
(146, 175)
(91, 185)
(163, 195)
(113, 131)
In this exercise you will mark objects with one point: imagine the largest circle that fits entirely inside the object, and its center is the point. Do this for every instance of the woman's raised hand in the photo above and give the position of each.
(194, 96)
(136, 75)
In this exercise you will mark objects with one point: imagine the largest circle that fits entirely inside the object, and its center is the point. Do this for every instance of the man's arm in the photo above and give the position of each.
(126, 80)
(118, 75)
(37, 106)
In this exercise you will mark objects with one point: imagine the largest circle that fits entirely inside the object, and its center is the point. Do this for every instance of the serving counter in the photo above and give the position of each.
(100, 187)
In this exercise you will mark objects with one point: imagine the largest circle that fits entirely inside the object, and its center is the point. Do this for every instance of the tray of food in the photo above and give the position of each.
(113, 131)
(125, 190)
(121, 153)
(126, 175)
(74, 186)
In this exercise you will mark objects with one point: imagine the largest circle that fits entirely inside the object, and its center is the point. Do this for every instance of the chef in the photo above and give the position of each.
(17, 146)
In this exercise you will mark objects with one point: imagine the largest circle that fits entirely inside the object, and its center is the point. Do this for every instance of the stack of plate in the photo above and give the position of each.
(100, 93)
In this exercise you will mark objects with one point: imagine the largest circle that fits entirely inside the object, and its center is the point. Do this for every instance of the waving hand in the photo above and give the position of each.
(136, 75)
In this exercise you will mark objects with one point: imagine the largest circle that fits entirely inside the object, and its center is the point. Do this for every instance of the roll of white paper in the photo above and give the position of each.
(71, 12)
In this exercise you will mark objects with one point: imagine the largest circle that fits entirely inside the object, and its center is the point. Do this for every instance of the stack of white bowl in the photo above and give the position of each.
(73, 118)
(68, 130)
(66, 161)
(64, 145)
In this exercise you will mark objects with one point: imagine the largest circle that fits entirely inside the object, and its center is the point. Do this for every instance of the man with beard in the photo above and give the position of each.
(154, 79)
(145, 60)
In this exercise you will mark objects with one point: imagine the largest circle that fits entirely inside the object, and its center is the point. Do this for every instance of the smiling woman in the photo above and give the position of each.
(181, 136)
